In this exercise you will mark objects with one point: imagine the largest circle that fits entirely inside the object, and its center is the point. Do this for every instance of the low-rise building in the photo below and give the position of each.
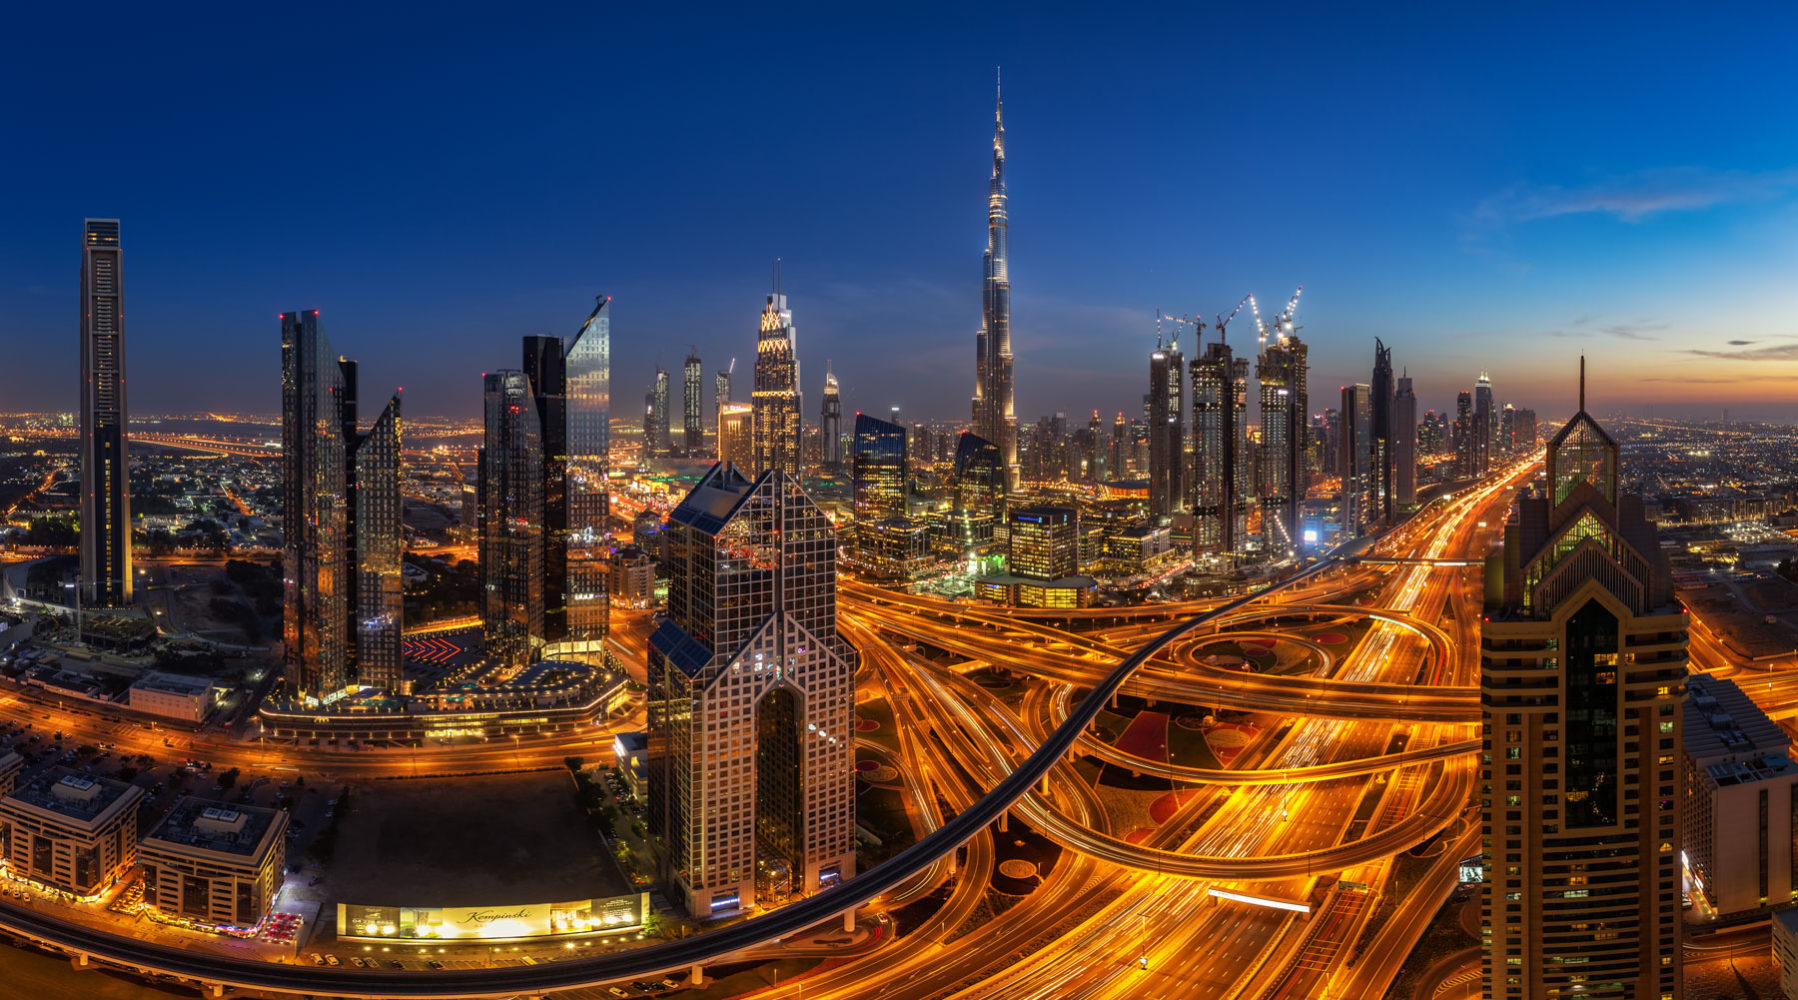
(631, 753)
(71, 831)
(214, 865)
(1738, 811)
(1785, 950)
(633, 578)
(10, 763)
(172, 696)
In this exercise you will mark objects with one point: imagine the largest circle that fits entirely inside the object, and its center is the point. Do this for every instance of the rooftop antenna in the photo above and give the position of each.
(1582, 383)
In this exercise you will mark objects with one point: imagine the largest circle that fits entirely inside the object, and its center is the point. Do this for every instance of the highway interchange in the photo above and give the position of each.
(1371, 756)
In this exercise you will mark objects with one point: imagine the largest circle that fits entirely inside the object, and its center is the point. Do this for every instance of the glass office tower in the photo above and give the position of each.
(105, 466)
(589, 366)
(511, 521)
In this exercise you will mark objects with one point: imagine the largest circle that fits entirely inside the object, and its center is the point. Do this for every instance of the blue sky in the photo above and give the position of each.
(1482, 191)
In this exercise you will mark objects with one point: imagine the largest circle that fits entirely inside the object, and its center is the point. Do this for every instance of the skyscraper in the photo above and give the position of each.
(1380, 410)
(664, 440)
(1167, 431)
(1120, 447)
(692, 405)
(512, 530)
(830, 424)
(880, 466)
(1222, 474)
(1404, 445)
(979, 475)
(1359, 456)
(1466, 454)
(995, 418)
(1285, 422)
(751, 701)
(721, 390)
(1485, 425)
(1583, 665)
(776, 397)
(105, 466)
(1523, 432)
(589, 367)
(546, 372)
(341, 532)
(736, 434)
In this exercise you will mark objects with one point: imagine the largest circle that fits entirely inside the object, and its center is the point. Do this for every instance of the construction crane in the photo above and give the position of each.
(1283, 325)
(1177, 321)
(1223, 322)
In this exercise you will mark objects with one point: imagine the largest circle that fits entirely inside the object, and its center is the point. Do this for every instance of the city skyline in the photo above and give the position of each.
(1671, 252)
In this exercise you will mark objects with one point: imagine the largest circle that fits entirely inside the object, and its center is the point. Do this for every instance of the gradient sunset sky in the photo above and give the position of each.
(1480, 191)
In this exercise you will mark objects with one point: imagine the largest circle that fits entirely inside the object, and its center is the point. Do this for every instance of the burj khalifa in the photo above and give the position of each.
(995, 419)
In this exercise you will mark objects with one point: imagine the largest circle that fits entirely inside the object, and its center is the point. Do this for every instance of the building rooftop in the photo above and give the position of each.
(212, 826)
(78, 796)
(1722, 725)
(181, 684)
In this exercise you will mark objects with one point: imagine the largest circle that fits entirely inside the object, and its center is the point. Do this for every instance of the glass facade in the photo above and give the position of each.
(1285, 422)
(1223, 475)
(879, 466)
(589, 370)
(776, 398)
(511, 521)
(105, 475)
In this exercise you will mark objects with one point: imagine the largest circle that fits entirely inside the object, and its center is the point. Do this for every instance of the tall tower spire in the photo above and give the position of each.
(995, 417)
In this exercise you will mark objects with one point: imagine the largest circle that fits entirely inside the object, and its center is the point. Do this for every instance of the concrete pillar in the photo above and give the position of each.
(78, 961)
(698, 977)
(848, 921)
(1003, 817)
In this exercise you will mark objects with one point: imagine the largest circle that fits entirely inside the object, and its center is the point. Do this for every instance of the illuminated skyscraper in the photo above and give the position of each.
(105, 466)
(751, 699)
(692, 405)
(721, 391)
(512, 530)
(1485, 424)
(1167, 431)
(995, 418)
(1285, 421)
(341, 530)
(1466, 455)
(736, 434)
(1404, 445)
(979, 476)
(776, 397)
(1379, 406)
(830, 425)
(547, 373)
(1120, 448)
(1222, 470)
(1582, 670)
(589, 365)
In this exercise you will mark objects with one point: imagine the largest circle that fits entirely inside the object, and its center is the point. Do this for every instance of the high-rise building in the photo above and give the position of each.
(879, 468)
(1285, 411)
(105, 466)
(995, 418)
(1583, 663)
(1222, 471)
(341, 530)
(512, 530)
(830, 424)
(1739, 789)
(1485, 425)
(751, 697)
(1379, 405)
(692, 405)
(1120, 448)
(736, 434)
(776, 397)
(1466, 453)
(1507, 430)
(1523, 432)
(546, 372)
(1044, 543)
(721, 390)
(1359, 455)
(588, 361)
(1167, 431)
(1404, 445)
(658, 391)
(979, 475)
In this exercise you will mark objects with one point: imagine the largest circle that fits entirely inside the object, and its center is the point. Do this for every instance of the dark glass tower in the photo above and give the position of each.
(546, 368)
(830, 425)
(1223, 476)
(692, 405)
(341, 527)
(995, 418)
(1359, 454)
(751, 700)
(1582, 670)
(1379, 404)
(879, 469)
(1285, 422)
(105, 466)
(512, 530)
(1485, 424)
(1404, 445)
